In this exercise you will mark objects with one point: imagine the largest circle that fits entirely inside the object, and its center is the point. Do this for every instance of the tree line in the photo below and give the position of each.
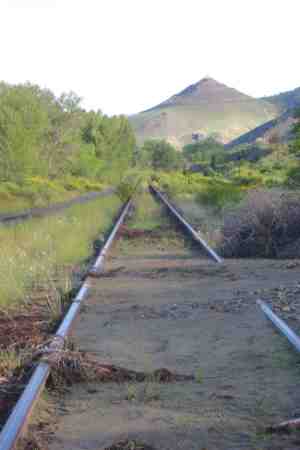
(48, 136)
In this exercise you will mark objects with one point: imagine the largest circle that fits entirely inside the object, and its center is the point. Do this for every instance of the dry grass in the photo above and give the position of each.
(70, 366)
(206, 221)
(264, 223)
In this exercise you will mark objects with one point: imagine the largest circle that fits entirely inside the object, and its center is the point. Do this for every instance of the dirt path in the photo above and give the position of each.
(161, 304)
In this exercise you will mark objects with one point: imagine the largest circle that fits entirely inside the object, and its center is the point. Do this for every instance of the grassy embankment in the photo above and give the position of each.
(40, 192)
(41, 261)
(37, 255)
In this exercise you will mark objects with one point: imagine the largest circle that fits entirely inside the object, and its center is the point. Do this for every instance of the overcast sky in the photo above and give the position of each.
(123, 56)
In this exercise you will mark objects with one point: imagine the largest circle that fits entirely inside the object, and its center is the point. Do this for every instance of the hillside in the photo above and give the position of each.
(285, 100)
(206, 108)
(280, 127)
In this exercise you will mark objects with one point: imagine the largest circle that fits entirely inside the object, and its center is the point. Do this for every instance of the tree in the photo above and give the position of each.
(52, 137)
(24, 124)
(203, 151)
(70, 102)
(160, 154)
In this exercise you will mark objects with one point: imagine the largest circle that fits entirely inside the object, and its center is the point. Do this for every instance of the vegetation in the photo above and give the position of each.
(219, 194)
(38, 191)
(207, 150)
(48, 143)
(159, 154)
(215, 191)
(147, 214)
(37, 255)
(262, 225)
(294, 172)
(286, 100)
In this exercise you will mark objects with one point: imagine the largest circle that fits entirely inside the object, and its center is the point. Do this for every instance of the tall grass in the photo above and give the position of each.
(147, 213)
(219, 194)
(40, 192)
(37, 254)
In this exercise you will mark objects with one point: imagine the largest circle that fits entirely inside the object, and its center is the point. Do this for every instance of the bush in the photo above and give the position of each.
(219, 194)
(264, 223)
(127, 188)
(293, 177)
(246, 176)
(81, 184)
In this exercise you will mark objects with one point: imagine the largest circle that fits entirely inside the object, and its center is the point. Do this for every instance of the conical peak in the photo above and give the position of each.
(206, 90)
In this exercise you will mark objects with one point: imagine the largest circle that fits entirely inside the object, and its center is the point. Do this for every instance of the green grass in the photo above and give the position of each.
(219, 194)
(37, 254)
(40, 192)
(147, 213)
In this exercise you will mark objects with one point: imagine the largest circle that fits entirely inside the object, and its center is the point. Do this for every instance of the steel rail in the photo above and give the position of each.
(281, 325)
(187, 226)
(294, 339)
(18, 419)
(286, 426)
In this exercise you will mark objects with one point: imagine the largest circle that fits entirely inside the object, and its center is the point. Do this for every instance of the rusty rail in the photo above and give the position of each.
(17, 421)
(186, 225)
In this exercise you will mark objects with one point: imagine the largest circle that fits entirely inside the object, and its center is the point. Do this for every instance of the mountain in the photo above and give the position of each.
(285, 100)
(279, 127)
(206, 108)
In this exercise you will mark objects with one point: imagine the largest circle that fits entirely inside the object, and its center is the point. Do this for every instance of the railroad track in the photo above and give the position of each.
(16, 424)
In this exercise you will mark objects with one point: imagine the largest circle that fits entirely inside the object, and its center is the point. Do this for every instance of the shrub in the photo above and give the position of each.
(81, 184)
(264, 223)
(219, 194)
(293, 177)
(127, 187)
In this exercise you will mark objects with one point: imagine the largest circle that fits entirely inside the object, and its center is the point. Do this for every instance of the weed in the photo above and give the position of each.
(131, 392)
(147, 214)
(10, 360)
(199, 376)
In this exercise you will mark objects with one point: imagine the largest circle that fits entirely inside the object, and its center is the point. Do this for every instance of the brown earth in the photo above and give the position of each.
(19, 330)
(163, 305)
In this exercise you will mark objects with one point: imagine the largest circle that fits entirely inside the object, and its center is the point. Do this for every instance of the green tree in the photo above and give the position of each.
(70, 102)
(53, 137)
(160, 154)
(24, 124)
(203, 151)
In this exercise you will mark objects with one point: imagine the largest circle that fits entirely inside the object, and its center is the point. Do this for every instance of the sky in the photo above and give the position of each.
(124, 56)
